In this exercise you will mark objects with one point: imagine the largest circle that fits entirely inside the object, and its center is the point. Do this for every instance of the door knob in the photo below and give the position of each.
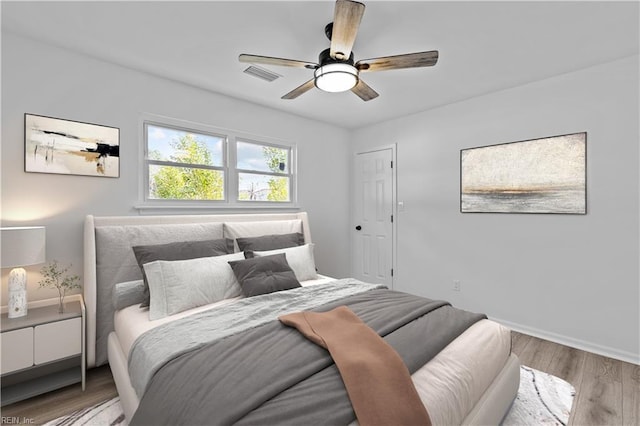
(358, 228)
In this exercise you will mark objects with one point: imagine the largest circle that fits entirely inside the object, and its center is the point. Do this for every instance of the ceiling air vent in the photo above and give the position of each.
(262, 73)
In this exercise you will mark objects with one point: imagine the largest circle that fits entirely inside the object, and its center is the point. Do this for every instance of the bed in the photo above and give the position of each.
(471, 379)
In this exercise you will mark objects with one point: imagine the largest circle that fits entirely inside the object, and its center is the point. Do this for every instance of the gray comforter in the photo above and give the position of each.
(160, 345)
(270, 374)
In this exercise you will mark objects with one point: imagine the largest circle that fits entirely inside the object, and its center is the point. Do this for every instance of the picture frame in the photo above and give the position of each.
(69, 147)
(546, 175)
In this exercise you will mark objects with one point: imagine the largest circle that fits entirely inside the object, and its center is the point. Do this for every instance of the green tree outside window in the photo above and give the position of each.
(278, 186)
(188, 183)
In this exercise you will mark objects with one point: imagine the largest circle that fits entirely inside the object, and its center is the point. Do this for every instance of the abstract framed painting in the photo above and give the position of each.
(546, 175)
(54, 145)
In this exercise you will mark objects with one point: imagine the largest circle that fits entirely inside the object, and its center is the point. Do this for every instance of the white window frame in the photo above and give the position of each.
(229, 168)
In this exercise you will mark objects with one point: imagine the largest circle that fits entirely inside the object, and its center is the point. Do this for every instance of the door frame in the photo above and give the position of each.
(394, 206)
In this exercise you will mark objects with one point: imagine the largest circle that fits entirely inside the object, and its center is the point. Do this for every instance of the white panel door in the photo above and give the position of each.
(372, 255)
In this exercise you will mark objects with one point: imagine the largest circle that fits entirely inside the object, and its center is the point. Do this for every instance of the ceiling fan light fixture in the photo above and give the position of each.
(336, 77)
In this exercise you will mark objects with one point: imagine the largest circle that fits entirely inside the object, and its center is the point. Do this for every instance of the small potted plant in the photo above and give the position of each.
(54, 276)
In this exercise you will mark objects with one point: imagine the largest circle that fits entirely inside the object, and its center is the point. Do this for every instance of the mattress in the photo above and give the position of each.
(450, 385)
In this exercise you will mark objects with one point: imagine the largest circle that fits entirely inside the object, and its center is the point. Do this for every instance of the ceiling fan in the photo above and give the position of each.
(336, 71)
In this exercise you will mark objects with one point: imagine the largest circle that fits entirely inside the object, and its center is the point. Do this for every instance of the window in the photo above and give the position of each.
(184, 165)
(263, 172)
(191, 164)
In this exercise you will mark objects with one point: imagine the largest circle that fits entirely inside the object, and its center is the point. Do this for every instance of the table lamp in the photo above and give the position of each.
(21, 246)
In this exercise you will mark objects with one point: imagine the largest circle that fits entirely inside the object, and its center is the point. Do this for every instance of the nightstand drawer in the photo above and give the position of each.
(57, 340)
(17, 350)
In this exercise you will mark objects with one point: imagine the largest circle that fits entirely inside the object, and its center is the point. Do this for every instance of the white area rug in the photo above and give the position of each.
(542, 399)
(106, 413)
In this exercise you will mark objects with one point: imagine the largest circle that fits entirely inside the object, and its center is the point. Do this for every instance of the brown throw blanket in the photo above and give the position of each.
(377, 380)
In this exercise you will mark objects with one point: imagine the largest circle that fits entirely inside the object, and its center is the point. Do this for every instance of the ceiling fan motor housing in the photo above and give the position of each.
(325, 58)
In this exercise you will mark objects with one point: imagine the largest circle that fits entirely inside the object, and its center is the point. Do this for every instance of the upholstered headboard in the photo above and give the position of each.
(109, 259)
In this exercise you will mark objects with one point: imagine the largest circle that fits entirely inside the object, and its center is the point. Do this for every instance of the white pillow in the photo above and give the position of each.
(299, 258)
(176, 286)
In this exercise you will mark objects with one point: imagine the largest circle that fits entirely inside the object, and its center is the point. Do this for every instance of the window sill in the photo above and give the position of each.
(191, 208)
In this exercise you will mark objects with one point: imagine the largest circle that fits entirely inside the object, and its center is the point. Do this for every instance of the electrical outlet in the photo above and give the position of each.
(456, 285)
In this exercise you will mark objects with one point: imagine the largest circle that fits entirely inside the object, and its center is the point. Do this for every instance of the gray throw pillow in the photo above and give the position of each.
(181, 250)
(128, 293)
(270, 242)
(262, 275)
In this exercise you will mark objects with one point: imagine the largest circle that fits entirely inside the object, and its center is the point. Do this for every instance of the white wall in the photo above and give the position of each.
(40, 79)
(570, 278)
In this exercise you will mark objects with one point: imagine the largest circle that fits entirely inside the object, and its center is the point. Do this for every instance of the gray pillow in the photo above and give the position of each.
(262, 275)
(181, 250)
(128, 293)
(299, 258)
(270, 242)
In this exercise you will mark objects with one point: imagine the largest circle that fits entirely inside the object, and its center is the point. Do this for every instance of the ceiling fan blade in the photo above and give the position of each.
(363, 90)
(269, 60)
(346, 20)
(305, 87)
(410, 60)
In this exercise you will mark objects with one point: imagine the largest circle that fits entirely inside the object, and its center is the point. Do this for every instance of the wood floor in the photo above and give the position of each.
(607, 390)
(49, 406)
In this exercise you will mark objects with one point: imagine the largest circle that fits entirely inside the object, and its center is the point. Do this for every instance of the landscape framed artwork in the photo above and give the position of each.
(546, 175)
(54, 145)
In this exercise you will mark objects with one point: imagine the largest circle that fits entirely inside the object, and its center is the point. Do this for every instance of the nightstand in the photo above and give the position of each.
(43, 351)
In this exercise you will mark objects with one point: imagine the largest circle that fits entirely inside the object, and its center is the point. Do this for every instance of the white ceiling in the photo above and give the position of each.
(484, 46)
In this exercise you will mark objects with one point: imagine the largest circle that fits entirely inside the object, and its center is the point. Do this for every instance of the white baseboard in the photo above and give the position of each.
(570, 341)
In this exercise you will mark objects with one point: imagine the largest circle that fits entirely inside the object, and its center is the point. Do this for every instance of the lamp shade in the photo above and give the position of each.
(336, 77)
(22, 246)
